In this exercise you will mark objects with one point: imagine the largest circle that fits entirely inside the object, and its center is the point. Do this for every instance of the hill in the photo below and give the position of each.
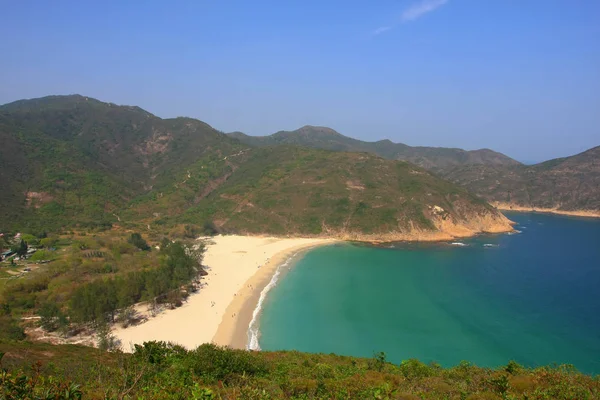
(287, 189)
(76, 160)
(563, 184)
(433, 158)
(569, 184)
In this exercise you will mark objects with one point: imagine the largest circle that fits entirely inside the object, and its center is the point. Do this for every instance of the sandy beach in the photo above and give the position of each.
(239, 268)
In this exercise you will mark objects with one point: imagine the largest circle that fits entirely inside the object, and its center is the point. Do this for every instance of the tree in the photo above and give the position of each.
(52, 318)
(190, 232)
(106, 340)
(126, 316)
(9, 329)
(20, 248)
(48, 242)
(139, 242)
(210, 229)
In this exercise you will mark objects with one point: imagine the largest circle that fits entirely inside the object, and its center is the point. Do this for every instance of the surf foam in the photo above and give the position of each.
(253, 328)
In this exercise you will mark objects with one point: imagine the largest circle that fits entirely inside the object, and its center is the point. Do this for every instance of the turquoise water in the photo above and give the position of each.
(532, 297)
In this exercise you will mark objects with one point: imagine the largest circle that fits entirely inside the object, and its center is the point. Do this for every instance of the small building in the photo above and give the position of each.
(6, 254)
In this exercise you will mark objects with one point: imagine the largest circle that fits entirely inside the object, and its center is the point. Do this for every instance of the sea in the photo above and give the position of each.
(532, 296)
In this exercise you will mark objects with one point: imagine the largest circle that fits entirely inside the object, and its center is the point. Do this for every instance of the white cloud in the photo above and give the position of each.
(380, 30)
(418, 10)
(413, 12)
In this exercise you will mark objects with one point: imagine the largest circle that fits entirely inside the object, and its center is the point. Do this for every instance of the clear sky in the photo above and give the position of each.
(518, 76)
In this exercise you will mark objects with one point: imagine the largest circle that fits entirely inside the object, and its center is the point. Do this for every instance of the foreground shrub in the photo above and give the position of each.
(215, 363)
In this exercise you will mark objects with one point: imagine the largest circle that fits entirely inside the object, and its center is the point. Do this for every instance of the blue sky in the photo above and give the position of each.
(518, 76)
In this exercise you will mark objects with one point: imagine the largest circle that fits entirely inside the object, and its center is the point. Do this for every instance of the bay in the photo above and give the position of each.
(532, 297)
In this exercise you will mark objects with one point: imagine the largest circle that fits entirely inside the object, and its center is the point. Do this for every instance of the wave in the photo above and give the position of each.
(490, 245)
(458, 244)
(253, 328)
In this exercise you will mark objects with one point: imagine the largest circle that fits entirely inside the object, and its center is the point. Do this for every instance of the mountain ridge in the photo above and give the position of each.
(427, 157)
(79, 160)
(569, 185)
(563, 185)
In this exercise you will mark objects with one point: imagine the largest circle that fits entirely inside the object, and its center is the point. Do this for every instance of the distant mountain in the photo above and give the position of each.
(432, 158)
(565, 184)
(69, 160)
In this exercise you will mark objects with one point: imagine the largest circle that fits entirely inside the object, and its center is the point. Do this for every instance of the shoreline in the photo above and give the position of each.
(576, 213)
(237, 266)
(234, 328)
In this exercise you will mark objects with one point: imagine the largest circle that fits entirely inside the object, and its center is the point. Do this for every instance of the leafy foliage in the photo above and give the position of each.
(100, 299)
(164, 370)
(51, 317)
(20, 248)
(139, 242)
(97, 278)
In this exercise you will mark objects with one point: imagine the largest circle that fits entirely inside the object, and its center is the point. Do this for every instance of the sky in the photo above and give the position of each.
(518, 76)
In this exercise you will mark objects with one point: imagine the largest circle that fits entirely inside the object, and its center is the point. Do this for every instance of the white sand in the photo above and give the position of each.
(232, 261)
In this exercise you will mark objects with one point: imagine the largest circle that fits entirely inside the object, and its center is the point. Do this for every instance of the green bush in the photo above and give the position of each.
(415, 369)
(30, 239)
(210, 229)
(216, 363)
(41, 255)
(158, 352)
(139, 242)
(18, 385)
(48, 242)
(9, 329)
(51, 317)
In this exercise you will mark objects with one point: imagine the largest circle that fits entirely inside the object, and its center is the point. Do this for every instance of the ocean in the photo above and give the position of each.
(532, 297)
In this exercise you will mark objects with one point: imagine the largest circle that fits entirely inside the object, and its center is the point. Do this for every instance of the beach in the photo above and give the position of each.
(239, 267)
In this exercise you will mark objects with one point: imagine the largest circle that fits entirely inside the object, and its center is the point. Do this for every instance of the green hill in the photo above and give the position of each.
(433, 158)
(570, 183)
(567, 184)
(288, 189)
(76, 160)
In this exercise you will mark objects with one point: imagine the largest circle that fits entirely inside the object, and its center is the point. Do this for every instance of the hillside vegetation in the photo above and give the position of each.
(432, 158)
(291, 190)
(79, 281)
(73, 160)
(568, 184)
(162, 371)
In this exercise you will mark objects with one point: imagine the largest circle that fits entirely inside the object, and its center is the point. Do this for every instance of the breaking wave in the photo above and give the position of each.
(253, 328)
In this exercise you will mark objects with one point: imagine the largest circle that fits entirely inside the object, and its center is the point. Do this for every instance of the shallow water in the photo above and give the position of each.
(532, 297)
